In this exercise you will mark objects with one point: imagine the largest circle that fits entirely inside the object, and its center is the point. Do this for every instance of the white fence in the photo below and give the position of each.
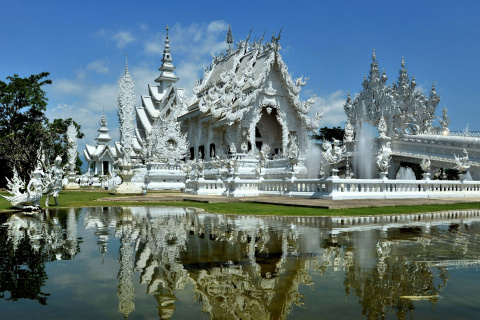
(336, 189)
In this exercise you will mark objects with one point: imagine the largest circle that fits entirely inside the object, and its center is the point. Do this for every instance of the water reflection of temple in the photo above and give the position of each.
(252, 267)
(246, 266)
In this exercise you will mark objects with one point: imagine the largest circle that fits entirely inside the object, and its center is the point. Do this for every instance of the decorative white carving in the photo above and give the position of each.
(404, 107)
(348, 132)
(461, 162)
(30, 199)
(425, 165)
(53, 181)
(72, 146)
(15, 185)
(333, 154)
(126, 113)
(270, 91)
(165, 143)
(383, 158)
(382, 127)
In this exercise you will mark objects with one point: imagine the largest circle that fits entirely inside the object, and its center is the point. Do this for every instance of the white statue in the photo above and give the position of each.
(425, 165)
(383, 157)
(382, 128)
(54, 181)
(461, 162)
(348, 132)
(30, 199)
(333, 154)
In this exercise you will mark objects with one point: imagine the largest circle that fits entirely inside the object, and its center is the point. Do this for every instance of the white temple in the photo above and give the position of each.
(100, 158)
(245, 109)
(246, 132)
(246, 100)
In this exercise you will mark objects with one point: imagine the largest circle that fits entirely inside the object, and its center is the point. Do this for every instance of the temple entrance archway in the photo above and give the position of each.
(268, 130)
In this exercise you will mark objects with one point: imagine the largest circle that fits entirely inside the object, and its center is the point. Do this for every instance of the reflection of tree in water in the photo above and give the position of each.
(402, 283)
(26, 244)
(397, 280)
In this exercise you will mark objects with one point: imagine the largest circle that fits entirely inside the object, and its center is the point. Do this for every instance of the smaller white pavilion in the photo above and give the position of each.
(101, 157)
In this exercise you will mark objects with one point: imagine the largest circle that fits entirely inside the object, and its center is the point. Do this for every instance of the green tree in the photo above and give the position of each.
(24, 128)
(22, 121)
(328, 134)
(57, 141)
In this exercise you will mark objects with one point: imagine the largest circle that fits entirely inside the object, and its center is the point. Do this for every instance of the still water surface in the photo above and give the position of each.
(161, 263)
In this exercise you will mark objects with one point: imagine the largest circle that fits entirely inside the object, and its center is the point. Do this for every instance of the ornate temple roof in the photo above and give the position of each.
(96, 153)
(235, 78)
(163, 98)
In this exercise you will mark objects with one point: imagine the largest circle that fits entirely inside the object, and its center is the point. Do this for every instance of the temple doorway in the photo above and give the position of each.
(268, 130)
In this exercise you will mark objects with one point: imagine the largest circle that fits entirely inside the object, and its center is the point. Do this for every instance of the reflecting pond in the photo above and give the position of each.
(161, 263)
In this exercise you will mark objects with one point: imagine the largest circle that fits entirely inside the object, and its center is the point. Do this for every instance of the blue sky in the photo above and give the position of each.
(83, 45)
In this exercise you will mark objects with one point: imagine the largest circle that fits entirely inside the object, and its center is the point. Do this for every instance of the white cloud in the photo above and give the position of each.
(102, 97)
(123, 38)
(143, 75)
(332, 105)
(67, 86)
(154, 47)
(99, 66)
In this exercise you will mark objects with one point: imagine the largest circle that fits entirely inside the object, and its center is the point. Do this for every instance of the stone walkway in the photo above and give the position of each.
(298, 202)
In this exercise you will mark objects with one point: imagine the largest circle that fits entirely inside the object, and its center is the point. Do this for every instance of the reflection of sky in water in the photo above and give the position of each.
(178, 263)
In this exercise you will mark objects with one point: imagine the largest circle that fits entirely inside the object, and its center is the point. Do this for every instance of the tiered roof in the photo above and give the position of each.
(236, 77)
(96, 153)
(163, 98)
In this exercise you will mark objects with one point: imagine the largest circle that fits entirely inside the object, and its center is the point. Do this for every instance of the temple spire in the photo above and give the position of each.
(103, 137)
(229, 39)
(167, 76)
(374, 72)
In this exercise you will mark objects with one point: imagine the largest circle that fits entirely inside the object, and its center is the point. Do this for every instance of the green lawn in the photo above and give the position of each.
(86, 198)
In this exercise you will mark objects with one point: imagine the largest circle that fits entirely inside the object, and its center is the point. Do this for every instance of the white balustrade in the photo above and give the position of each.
(338, 189)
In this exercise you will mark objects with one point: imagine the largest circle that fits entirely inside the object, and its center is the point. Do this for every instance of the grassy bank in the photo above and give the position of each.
(89, 198)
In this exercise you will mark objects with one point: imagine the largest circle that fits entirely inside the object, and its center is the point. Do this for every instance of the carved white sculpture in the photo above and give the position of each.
(425, 165)
(15, 185)
(72, 134)
(30, 199)
(382, 128)
(383, 158)
(126, 113)
(333, 155)
(54, 181)
(72, 146)
(166, 143)
(444, 121)
(126, 117)
(404, 107)
(349, 133)
(461, 162)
